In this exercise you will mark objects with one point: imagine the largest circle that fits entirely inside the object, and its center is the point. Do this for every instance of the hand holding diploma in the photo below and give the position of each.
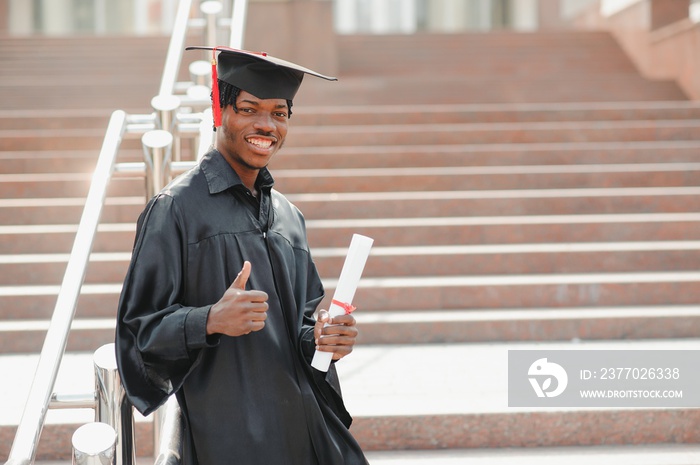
(335, 342)
(335, 335)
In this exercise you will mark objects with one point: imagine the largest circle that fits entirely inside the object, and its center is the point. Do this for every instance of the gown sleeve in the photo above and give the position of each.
(158, 339)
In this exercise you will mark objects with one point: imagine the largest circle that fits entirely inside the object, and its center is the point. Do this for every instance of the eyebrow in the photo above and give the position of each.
(257, 103)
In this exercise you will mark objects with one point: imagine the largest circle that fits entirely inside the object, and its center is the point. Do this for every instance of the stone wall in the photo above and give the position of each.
(659, 37)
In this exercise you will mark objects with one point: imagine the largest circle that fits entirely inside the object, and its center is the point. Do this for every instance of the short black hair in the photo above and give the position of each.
(228, 94)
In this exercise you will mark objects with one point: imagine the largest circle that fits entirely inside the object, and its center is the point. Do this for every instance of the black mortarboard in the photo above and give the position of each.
(258, 73)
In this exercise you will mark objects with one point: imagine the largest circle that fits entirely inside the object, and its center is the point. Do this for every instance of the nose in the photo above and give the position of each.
(264, 122)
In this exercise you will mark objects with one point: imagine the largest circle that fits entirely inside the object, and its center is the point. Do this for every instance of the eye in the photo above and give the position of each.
(281, 114)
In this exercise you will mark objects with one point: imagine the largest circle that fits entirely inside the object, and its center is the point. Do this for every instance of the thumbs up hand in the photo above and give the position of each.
(238, 312)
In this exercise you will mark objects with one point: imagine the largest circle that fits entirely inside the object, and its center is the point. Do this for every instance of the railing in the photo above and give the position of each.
(28, 432)
(162, 135)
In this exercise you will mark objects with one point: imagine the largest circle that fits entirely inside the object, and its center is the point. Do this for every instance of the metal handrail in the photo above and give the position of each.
(177, 45)
(238, 19)
(41, 396)
(29, 430)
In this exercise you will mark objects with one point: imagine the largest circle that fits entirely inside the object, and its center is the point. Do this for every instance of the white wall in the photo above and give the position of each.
(21, 17)
(524, 15)
(401, 16)
(610, 7)
(570, 8)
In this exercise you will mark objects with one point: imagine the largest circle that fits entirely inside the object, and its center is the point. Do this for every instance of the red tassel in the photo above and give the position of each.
(216, 106)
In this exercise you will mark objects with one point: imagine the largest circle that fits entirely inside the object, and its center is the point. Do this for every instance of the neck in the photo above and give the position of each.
(248, 179)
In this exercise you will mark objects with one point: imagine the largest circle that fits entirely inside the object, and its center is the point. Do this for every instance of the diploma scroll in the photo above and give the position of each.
(345, 289)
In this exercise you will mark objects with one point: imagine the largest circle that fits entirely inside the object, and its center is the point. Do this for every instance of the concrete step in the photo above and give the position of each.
(55, 119)
(67, 209)
(24, 335)
(465, 89)
(658, 454)
(496, 202)
(88, 76)
(397, 114)
(554, 153)
(496, 53)
(471, 408)
(397, 204)
(487, 113)
(536, 324)
(642, 454)
(357, 156)
(503, 61)
(536, 229)
(83, 161)
(600, 289)
(391, 392)
(397, 179)
(61, 139)
(492, 177)
(33, 185)
(493, 133)
(132, 95)
(404, 134)
(50, 268)
(58, 161)
(42, 269)
(400, 156)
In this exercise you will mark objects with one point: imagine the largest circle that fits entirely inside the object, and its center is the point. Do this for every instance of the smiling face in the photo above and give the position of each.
(250, 137)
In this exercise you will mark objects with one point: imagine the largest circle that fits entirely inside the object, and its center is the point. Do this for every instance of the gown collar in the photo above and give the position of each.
(221, 176)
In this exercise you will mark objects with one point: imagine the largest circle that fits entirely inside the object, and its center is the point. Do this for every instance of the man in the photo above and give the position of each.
(218, 303)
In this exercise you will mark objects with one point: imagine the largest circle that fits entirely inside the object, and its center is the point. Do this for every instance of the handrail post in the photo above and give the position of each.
(94, 444)
(112, 406)
(166, 107)
(167, 433)
(200, 70)
(211, 9)
(156, 151)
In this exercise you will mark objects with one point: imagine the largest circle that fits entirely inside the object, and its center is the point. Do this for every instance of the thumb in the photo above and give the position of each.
(242, 278)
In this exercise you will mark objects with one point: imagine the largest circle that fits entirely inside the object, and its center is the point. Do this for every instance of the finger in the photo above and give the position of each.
(258, 297)
(242, 278)
(338, 351)
(337, 338)
(345, 320)
(256, 325)
(258, 311)
(322, 319)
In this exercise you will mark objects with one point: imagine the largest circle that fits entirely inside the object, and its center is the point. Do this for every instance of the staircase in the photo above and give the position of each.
(523, 191)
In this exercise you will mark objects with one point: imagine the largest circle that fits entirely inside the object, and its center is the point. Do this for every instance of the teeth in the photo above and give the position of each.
(262, 143)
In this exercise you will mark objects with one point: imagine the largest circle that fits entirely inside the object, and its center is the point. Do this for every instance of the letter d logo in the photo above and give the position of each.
(542, 369)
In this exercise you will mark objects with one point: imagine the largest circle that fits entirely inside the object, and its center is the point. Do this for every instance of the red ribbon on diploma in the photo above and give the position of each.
(347, 307)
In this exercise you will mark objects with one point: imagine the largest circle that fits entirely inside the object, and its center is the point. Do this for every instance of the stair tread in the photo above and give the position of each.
(379, 380)
(645, 454)
(658, 454)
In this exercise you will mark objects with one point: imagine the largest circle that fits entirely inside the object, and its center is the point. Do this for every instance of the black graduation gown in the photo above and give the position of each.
(251, 399)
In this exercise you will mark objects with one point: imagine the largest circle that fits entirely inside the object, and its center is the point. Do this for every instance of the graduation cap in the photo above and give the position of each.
(258, 73)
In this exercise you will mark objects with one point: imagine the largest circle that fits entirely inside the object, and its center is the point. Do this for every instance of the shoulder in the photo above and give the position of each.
(283, 206)
(288, 221)
(173, 202)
